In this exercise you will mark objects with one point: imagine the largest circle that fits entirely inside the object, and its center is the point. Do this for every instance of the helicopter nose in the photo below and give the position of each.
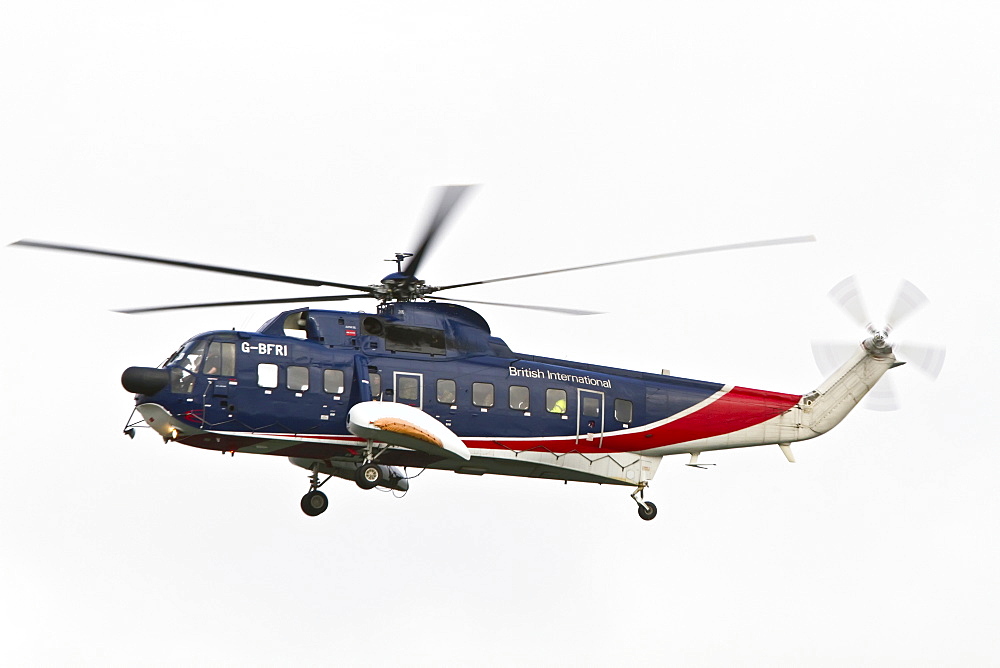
(143, 380)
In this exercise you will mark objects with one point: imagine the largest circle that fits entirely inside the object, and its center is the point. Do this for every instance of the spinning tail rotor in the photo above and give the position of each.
(908, 300)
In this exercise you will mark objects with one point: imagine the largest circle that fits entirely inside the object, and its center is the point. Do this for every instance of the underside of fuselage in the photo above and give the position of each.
(618, 468)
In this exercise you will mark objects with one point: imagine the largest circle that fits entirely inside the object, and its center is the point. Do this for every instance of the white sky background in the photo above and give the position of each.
(306, 141)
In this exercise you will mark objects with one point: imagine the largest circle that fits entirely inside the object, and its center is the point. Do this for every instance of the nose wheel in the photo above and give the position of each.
(647, 509)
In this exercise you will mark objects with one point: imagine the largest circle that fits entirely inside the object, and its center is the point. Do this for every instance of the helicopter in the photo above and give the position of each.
(423, 383)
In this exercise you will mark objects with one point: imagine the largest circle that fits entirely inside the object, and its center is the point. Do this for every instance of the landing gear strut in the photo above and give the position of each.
(647, 510)
(315, 501)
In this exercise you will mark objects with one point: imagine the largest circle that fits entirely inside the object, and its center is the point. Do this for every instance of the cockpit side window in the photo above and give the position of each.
(221, 359)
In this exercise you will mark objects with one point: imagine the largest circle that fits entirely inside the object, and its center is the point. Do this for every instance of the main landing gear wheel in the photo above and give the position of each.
(368, 476)
(314, 503)
(649, 512)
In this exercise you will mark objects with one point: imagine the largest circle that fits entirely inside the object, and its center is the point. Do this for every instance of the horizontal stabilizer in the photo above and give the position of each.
(405, 426)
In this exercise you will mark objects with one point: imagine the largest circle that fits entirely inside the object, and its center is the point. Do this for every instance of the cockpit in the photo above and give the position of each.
(213, 358)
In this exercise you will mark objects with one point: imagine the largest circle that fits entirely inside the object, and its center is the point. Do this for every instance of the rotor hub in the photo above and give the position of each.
(878, 342)
(402, 287)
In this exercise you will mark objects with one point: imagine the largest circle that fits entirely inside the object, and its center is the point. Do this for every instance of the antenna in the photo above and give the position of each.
(399, 260)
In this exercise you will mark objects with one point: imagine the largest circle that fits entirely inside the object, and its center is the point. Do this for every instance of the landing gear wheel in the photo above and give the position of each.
(368, 476)
(314, 503)
(649, 512)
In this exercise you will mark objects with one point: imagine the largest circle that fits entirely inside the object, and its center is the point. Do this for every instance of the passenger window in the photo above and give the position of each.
(591, 406)
(446, 391)
(298, 378)
(375, 382)
(623, 410)
(555, 401)
(407, 388)
(333, 381)
(519, 397)
(482, 394)
(267, 375)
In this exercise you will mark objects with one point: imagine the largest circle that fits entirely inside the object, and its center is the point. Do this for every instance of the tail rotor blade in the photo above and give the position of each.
(927, 358)
(829, 355)
(847, 295)
(909, 299)
(883, 396)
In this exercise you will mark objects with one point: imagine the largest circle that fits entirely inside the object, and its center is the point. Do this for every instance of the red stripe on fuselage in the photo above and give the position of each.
(737, 409)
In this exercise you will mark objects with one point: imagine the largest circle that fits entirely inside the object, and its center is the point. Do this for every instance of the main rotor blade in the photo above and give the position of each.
(189, 265)
(847, 295)
(550, 309)
(450, 196)
(694, 251)
(288, 300)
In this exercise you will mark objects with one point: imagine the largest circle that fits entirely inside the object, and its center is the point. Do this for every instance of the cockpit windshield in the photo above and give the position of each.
(184, 364)
(188, 357)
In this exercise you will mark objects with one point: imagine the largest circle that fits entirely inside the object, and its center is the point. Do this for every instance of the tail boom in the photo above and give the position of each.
(814, 414)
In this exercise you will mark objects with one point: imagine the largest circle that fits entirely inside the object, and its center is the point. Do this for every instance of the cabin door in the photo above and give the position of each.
(409, 389)
(590, 417)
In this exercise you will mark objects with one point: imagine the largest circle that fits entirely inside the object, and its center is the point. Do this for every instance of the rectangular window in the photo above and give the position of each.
(406, 339)
(375, 382)
(407, 388)
(221, 359)
(229, 359)
(298, 378)
(446, 391)
(591, 405)
(623, 410)
(555, 401)
(482, 394)
(333, 381)
(519, 397)
(267, 375)
(213, 360)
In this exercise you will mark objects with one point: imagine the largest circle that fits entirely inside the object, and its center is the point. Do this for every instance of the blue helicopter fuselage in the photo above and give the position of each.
(287, 389)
